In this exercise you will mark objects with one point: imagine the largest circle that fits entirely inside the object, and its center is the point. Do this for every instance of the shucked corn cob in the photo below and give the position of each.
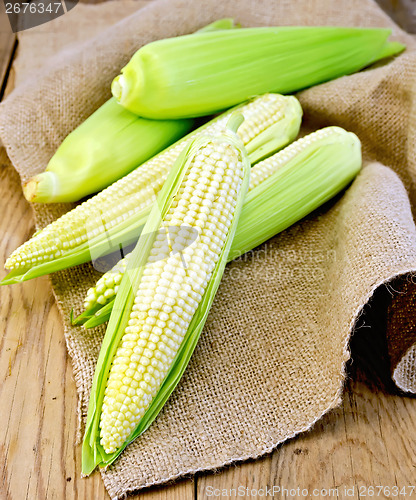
(165, 296)
(117, 214)
(192, 76)
(106, 146)
(283, 189)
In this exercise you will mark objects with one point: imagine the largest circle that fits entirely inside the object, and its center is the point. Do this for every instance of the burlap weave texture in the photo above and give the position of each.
(271, 359)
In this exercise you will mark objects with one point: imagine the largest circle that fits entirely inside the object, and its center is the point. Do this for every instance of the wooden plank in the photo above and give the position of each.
(7, 45)
(181, 490)
(38, 418)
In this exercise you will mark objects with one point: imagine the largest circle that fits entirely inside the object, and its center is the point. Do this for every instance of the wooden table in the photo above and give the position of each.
(369, 440)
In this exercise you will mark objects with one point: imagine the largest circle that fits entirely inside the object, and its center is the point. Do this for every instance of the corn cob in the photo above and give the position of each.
(165, 297)
(105, 147)
(194, 76)
(283, 189)
(116, 215)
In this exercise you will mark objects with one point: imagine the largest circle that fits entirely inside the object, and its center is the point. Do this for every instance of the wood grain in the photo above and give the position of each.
(369, 440)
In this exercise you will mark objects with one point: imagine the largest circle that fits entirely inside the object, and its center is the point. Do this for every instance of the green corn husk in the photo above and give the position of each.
(93, 453)
(325, 163)
(188, 76)
(105, 147)
(227, 23)
(317, 168)
(391, 49)
(101, 240)
(108, 145)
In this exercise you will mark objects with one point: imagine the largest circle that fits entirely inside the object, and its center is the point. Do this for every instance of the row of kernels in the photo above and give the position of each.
(259, 115)
(269, 166)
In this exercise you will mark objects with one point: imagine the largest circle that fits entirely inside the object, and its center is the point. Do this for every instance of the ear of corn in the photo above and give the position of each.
(105, 147)
(283, 189)
(166, 293)
(116, 216)
(291, 184)
(194, 76)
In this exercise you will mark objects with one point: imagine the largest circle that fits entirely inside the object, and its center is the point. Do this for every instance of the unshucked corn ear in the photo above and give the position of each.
(116, 215)
(292, 183)
(105, 147)
(283, 189)
(166, 293)
(194, 76)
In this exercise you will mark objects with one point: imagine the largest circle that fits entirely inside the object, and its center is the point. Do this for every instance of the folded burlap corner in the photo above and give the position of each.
(271, 359)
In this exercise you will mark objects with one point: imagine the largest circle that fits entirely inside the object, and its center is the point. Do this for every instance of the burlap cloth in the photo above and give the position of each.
(271, 360)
